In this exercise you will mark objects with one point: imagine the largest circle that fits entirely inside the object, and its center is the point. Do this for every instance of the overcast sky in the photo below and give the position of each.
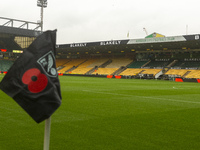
(101, 20)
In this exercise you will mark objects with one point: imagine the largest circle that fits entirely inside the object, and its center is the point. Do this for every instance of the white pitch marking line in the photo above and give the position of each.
(144, 97)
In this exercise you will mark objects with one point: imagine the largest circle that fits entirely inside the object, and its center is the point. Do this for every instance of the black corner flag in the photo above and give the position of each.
(32, 81)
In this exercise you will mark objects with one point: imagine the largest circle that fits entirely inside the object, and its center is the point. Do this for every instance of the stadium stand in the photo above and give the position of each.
(83, 68)
(5, 65)
(137, 64)
(105, 71)
(176, 72)
(119, 62)
(105, 66)
(61, 62)
(70, 65)
(151, 71)
(131, 72)
(142, 72)
(156, 64)
(113, 65)
(187, 64)
(9, 43)
(193, 74)
(152, 57)
(98, 62)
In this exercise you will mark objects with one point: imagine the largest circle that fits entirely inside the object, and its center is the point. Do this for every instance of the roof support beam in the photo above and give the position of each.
(11, 22)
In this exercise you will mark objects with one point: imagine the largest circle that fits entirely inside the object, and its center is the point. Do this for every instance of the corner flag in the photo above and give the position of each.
(32, 81)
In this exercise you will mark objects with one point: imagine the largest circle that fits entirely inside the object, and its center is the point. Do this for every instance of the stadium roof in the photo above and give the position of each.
(13, 36)
(16, 27)
(18, 31)
(172, 43)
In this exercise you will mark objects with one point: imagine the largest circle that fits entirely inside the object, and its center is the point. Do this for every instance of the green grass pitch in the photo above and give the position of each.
(110, 114)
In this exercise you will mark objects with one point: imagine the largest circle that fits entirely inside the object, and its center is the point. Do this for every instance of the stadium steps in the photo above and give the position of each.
(121, 69)
(151, 71)
(159, 74)
(83, 67)
(81, 63)
(71, 69)
(165, 70)
(59, 68)
(92, 70)
(172, 63)
(130, 63)
(146, 63)
(178, 64)
(66, 62)
(141, 71)
(193, 74)
(105, 64)
(98, 62)
(61, 62)
(186, 74)
(71, 65)
(157, 64)
(176, 72)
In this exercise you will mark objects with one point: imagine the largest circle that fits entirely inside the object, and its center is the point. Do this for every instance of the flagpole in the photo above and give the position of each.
(43, 4)
(47, 133)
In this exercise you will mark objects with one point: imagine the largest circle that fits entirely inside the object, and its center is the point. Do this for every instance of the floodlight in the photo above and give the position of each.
(42, 3)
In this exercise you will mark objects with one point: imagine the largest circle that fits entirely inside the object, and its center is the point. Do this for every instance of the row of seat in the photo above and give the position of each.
(83, 66)
(186, 73)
